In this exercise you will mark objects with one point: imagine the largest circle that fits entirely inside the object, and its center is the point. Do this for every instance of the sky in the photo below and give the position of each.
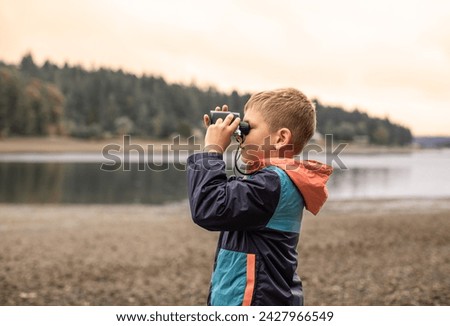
(387, 58)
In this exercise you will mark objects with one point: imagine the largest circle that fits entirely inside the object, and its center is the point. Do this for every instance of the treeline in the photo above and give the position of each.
(358, 126)
(104, 102)
(70, 100)
(29, 106)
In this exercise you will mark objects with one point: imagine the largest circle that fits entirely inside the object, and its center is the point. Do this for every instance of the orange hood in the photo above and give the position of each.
(309, 176)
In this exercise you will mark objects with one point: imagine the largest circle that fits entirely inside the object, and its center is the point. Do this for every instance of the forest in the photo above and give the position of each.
(100, 103)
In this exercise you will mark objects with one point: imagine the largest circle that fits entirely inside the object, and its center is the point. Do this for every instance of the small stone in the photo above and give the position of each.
(28, 295)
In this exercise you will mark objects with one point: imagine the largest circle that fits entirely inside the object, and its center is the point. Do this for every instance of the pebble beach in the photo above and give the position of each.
(394, 252)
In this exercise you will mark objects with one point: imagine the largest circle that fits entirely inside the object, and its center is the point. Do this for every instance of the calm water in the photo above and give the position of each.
(77, 178)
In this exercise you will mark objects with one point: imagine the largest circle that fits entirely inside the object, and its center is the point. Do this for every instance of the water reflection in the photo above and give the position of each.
(30, 182)
(422, 174)
(86, 183)
(366, 183)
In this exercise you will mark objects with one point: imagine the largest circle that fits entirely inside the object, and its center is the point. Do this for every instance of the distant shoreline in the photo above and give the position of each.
(71, 145)
(76, 145)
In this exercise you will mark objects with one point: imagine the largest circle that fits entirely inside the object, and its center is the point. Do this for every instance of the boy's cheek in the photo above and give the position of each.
(251, 152)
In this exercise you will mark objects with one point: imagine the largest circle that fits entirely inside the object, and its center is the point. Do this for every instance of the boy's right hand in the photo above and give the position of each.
(218, 135)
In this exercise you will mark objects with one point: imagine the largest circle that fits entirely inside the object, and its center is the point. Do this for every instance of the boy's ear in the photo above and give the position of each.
(284, 137)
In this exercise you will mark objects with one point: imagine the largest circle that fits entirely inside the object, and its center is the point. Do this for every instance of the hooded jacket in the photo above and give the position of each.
(260, 220)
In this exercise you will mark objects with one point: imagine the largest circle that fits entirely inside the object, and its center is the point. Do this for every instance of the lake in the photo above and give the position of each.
(77, 178)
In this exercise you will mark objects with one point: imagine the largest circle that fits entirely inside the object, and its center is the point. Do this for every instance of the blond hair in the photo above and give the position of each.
(286, 108)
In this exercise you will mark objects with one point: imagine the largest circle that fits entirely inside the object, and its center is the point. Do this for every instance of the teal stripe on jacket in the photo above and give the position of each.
(229, 278)
(289, 212)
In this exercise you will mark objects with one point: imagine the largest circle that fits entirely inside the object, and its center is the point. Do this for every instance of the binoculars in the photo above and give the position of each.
(244, 127)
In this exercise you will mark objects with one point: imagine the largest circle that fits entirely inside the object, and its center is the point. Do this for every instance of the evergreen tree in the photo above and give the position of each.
(70, 99)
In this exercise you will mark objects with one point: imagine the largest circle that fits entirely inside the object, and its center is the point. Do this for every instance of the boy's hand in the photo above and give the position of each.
(207, 121)
(218, 135)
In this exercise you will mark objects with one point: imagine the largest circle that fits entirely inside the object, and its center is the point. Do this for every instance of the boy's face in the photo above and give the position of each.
(259, 143)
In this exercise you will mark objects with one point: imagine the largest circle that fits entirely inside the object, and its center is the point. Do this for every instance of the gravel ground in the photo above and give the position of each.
(353, 253)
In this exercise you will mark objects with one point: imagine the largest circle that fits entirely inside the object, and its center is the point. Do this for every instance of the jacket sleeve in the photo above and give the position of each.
(221, 204)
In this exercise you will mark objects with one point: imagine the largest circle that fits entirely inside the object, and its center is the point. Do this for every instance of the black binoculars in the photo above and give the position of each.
(244, 127)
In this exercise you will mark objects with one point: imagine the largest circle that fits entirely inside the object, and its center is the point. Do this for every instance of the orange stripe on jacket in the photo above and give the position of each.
(250, 286)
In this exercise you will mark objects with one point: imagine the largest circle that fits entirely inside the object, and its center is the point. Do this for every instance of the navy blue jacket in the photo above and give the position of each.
(260, 219)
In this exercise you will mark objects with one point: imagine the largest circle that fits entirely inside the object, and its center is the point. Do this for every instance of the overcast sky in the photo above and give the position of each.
(388, 58)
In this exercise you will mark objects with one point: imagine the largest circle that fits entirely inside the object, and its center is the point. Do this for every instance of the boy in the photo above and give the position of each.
(259, 216)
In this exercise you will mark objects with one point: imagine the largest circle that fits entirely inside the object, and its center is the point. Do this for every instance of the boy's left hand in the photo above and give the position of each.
(218, 135)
